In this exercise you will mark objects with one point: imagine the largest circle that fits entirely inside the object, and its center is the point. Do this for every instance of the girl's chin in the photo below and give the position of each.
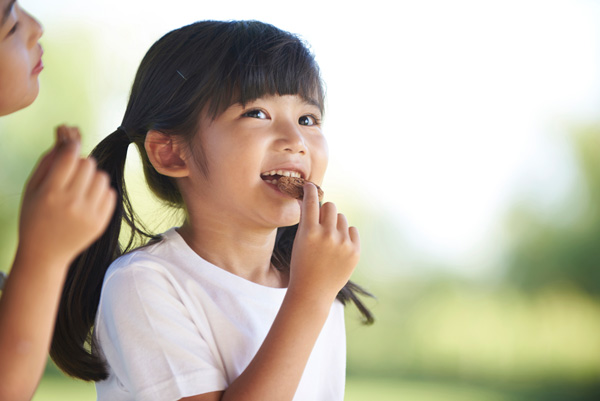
(289, 222)
(289, 219)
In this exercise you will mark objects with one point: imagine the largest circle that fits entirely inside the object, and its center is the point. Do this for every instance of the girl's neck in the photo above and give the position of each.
(244, 253)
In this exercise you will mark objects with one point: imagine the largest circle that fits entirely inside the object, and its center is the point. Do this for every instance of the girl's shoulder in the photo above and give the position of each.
(155, 258)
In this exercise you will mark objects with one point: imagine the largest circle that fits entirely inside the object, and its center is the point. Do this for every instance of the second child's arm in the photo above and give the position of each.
(326, 251)
(66, 206)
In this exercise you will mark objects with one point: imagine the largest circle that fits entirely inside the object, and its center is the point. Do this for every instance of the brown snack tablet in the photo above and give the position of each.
(293, 186)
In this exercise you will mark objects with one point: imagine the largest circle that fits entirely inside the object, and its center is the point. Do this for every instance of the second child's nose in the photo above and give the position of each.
(35, 29)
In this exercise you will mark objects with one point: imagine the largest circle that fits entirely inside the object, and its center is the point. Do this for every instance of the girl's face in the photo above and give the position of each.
(20, 57)
(245, 145)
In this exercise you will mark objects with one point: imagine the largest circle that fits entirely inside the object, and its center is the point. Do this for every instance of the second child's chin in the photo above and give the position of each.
(10, 104)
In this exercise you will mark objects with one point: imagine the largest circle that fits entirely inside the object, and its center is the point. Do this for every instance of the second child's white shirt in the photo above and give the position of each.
(171, 325)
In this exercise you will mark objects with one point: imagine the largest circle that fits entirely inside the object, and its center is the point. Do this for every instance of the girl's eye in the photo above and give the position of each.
(308, 120)
(256, 114)
(14, 29)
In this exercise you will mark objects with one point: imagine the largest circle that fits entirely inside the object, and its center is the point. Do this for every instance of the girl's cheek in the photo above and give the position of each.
(319, 166)
(323, 152)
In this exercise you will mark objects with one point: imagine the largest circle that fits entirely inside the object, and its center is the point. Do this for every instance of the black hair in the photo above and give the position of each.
(200, 68)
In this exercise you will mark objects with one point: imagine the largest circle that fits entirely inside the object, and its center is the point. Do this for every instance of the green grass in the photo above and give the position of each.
(361, 389)
(387, 389)
(59, 388)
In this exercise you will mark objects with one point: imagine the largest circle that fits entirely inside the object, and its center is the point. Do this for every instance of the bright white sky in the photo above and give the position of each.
(438, 110)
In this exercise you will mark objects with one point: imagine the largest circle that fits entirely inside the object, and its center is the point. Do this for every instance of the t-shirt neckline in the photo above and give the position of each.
(173, 235)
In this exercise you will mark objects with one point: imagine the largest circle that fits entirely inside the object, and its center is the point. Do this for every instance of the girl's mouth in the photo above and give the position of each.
(271, 177)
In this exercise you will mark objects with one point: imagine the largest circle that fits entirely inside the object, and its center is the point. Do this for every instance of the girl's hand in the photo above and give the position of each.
(325, 252)
(67, 202)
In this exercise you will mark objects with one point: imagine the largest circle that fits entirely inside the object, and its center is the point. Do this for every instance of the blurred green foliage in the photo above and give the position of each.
(561, 246)
(533, 333)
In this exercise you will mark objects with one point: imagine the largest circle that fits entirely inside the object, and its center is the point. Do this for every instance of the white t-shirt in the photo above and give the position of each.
(171, 325)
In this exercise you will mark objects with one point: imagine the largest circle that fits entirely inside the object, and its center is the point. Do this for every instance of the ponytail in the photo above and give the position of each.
(73, 347)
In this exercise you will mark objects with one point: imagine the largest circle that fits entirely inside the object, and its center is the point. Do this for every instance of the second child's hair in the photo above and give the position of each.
(198, 70)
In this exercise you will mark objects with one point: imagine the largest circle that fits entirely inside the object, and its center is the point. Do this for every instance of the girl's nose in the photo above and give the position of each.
(291, 139)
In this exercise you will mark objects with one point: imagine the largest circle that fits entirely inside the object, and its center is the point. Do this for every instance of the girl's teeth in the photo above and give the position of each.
(282, 173)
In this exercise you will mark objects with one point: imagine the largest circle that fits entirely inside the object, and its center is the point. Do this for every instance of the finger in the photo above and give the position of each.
(342, 223)
(354, 237)
(66, 147)
(63, 165)
(66, 133)
(41, 169)
(99, 186)
(309, 208)
(43, 165)
(328, 215)
(107, 207)
(104, 210)
(61, 135)
(72, 134)
(82, 178)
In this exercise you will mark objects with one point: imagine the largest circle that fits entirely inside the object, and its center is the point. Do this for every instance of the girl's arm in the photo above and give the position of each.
(326, 252)
(66, 205)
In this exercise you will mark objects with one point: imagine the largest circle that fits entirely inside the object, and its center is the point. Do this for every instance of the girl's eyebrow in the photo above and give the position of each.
(7, 11)
(312, 102)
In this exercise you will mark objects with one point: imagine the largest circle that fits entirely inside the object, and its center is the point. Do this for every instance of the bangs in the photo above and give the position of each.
(261, 60)
(205, 67)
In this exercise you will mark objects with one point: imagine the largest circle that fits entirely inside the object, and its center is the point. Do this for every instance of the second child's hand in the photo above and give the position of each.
(66, 206)
(67, 202)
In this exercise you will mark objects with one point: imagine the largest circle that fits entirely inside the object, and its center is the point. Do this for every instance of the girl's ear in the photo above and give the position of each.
(165, 154)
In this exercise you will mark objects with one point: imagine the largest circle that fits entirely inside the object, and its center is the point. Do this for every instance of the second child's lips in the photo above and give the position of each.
(40, 65)
(38, 68)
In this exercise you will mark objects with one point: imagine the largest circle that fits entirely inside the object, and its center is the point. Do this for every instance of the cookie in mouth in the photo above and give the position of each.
(294, 186)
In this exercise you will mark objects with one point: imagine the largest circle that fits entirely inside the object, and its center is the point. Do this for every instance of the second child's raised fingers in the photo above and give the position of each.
(62, 135)
(65, 148)
(102, 199)
(66, 134)
(41, 169)
(99, 186)
(63, 164)
(82, 178)
(106, 208)
(72, 134)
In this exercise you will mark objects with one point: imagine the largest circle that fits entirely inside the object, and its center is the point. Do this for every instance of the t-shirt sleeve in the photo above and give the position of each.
(152, 345)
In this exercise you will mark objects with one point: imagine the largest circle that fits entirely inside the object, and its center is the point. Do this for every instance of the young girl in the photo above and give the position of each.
(66, 205)
(221, 308)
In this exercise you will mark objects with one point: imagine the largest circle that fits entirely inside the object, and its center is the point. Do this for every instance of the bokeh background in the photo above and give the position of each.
(465, 145)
